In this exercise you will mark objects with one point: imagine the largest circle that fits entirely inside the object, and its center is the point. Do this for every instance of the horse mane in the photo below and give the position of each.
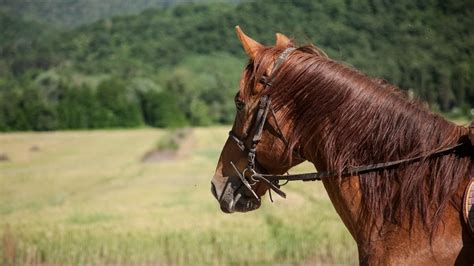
(351, 119)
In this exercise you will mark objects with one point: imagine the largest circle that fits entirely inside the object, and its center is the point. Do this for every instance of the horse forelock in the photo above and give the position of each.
(356, 120)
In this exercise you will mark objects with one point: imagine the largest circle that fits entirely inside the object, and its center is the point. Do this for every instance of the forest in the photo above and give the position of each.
(179, 65)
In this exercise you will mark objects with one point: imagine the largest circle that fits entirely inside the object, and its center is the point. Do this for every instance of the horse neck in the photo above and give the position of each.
(346, 198)
(340, 123)
(388, 132)
(345, 193)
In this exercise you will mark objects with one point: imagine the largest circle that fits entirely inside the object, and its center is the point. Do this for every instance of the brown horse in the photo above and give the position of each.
(336, 117)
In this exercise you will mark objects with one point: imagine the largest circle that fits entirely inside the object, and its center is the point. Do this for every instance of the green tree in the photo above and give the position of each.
(120, 107)
(160, 109)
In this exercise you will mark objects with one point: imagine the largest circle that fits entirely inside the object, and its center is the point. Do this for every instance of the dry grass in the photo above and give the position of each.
(85, 198)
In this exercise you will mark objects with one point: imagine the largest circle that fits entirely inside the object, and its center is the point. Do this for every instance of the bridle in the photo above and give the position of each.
(260, 118)
(249, 176)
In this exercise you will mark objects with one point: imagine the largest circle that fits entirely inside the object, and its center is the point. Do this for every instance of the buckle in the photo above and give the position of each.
(244, 180)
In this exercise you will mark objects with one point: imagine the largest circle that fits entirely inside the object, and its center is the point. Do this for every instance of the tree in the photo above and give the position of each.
(119, 106)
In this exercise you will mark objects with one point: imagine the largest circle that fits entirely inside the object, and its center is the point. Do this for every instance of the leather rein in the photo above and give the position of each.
(249, 176)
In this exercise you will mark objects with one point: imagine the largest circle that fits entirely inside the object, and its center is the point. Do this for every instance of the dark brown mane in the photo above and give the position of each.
(351, 119)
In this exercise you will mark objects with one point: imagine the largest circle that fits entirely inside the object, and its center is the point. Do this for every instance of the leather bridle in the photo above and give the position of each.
(249, 176)
(255, 133)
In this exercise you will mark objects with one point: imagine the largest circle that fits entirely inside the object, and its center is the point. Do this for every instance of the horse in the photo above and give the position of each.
(296, 104)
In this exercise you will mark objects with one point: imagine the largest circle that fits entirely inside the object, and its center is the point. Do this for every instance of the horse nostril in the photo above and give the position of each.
(213, 190)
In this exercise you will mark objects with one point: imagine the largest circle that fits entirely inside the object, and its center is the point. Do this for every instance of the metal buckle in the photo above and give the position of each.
(251, 177)
(244, 180)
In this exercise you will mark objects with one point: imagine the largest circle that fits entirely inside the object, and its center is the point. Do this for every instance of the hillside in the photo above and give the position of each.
(191, 51)
(67, 13)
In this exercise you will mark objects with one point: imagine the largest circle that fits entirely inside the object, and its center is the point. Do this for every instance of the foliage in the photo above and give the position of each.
(73, 13)
(204, 86)
(114, 103)
(120, 107)
(187, 57)
(160, 109)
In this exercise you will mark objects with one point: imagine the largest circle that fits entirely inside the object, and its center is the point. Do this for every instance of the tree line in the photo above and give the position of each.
(181, 65)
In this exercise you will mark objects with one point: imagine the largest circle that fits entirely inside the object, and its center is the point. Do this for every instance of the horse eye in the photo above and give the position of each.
(239, 104)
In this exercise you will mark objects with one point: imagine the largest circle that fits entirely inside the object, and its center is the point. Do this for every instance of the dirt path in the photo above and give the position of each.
(186, 145)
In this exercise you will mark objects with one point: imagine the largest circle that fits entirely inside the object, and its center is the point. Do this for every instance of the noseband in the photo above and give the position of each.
(249, 176)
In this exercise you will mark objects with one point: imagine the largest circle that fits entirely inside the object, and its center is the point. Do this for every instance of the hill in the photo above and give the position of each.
(191, 51)
(68, 14)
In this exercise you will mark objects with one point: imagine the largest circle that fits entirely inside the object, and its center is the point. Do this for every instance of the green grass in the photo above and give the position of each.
(85, 198)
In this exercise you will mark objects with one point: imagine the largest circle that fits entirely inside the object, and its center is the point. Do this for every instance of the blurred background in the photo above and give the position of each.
(113, 114)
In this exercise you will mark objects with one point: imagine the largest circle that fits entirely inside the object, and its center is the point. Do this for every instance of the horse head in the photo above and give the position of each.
(257, 142)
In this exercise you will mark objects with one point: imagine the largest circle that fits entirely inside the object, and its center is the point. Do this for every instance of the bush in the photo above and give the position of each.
(160, 109)
(119, 107)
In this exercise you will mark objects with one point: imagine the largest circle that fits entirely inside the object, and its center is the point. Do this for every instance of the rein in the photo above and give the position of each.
(318, 176)
(249, 176)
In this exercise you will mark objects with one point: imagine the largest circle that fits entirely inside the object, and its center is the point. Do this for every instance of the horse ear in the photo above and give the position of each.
(282, 40)
(250, 45)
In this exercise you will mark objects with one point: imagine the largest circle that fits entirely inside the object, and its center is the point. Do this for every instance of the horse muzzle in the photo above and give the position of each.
(235, 197)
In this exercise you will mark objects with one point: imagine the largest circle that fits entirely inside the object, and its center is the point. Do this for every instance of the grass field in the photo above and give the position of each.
(84, 197)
